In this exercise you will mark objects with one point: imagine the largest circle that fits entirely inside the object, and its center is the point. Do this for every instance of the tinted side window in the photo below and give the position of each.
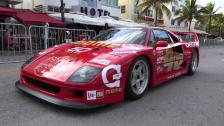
(161, 35)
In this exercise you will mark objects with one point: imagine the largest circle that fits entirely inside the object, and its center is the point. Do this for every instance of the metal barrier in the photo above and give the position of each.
(18, 42)
(13, 42)
(211, 43)
(42, 37)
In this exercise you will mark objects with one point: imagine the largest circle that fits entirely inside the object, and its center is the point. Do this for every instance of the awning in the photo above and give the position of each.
(5, 11)
(30, 17)
(79, 18)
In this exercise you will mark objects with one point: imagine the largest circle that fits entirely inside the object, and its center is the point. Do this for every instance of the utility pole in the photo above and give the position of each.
(62, 9)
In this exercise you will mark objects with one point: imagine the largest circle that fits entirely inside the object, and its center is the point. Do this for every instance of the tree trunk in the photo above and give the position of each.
(209, 23)
(189, 27)
(156, 18)
(62, 9)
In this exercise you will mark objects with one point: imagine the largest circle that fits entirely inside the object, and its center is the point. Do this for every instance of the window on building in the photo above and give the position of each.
(50, 8)
(111, 3)
(178, 23)
(173, 9)
(172, 22)
(136, 11)
(186, 24)
(123, 9)
(149, 13)
(67, 10)
(56, 9)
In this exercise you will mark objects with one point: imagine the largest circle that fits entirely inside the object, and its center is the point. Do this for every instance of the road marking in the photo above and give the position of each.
(9, 70)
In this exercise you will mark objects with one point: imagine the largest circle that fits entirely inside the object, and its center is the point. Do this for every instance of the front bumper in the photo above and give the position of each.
(56, 101)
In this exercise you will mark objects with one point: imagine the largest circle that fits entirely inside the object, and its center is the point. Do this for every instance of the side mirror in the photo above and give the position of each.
(161, 43)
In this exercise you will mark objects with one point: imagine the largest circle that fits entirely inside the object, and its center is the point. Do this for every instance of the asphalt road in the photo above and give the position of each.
(186, 101)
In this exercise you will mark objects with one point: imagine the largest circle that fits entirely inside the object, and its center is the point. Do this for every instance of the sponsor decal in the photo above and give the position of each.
(159, 69)
(42, 53)
(79, 50)
(116, 77)
(127, 50)
(154, 52)
(192, 44)
(100, 94)
(175, 75)
(159, 53)
(94, 43)
(113, 91)
(160, 60)
(122, 52)
(101, 61)
(177, 64)
(95, 94)
(173, 61)
(178, 74)
(42, 68)
(51, 63)
(170, 77)
(91, 95)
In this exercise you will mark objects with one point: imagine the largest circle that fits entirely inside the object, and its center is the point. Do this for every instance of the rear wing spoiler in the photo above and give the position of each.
(188, 33)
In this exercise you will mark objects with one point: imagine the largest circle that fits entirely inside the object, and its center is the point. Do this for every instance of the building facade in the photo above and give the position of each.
(129, 10)
(90, 7)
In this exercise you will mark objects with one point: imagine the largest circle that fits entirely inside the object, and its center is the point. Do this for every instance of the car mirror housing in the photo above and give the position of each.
(161, 43)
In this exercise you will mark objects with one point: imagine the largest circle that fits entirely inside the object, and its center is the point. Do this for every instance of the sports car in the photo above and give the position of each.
(118, 64)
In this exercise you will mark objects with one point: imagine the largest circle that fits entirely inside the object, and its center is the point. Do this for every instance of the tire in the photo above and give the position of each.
(137, 79)
(193, 64)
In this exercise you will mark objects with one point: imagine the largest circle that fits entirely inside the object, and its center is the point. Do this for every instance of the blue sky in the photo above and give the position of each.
(218, 3)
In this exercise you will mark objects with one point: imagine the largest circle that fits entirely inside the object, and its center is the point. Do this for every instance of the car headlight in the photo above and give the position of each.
(29, 61)
(84, 74)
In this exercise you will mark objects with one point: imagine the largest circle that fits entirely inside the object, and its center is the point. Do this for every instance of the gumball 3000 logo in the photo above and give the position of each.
(116, 77)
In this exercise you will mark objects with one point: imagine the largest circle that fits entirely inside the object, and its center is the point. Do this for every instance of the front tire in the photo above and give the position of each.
(137, 78)
(194, 63)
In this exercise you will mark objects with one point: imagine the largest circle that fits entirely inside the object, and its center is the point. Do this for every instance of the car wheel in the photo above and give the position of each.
(137, 78)
(193, 64)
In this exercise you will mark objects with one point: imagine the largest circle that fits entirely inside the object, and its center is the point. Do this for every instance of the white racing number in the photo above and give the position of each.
(116, 77)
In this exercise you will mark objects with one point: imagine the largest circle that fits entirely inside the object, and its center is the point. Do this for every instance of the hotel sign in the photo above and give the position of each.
(94, 12)
(91, 7)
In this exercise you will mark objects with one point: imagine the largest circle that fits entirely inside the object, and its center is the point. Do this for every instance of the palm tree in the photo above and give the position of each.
(157, 5)
(209, 12)
(189, 12)
(218, 23)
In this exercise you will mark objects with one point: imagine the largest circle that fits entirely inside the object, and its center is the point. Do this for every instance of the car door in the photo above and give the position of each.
(164, 55)
(178, 53)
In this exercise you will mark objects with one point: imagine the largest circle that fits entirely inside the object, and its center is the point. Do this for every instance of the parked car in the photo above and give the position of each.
(118, 64)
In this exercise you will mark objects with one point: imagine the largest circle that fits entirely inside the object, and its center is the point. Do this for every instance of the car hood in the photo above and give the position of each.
(62, 61)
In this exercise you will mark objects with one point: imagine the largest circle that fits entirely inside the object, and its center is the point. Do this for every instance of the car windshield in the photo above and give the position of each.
(123, 35)
(187, 37)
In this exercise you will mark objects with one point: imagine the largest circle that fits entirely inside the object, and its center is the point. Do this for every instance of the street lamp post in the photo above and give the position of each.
(62, 9)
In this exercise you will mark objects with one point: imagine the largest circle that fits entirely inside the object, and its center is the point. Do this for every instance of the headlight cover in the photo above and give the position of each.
(84, 74)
